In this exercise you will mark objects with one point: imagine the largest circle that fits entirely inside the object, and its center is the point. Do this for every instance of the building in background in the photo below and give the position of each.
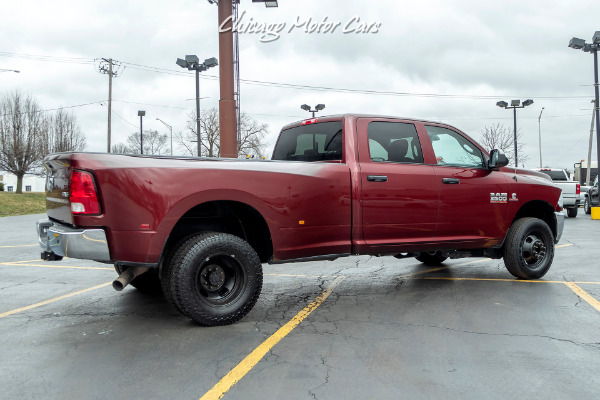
(580, 172)
(31, 183)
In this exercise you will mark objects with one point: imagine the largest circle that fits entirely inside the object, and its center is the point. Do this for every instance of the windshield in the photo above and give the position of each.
(314, 142)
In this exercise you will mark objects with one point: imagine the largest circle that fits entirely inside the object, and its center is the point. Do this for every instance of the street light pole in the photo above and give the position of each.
(171, 129)
(192, 62)
(540, 134)
(514, 104)
(597, 105)
(198, 113)
(580, 44)
(141, 115)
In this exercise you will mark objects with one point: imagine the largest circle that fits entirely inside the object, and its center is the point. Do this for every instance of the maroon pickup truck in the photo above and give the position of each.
(199, 229)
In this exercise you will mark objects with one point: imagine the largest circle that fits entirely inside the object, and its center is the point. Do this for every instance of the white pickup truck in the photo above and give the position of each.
(571, 190)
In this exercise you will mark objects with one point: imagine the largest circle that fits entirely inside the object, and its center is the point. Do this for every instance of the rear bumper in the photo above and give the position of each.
(64, 241)
(560, 225)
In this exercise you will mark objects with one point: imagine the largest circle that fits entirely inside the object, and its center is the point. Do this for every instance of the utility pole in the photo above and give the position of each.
(106, 67)
(589, 157)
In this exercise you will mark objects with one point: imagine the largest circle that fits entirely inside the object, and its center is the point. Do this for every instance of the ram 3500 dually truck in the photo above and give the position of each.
(200, 229)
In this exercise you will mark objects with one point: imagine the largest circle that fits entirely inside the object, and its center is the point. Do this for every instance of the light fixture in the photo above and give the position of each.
(319, 107)
(528, 102)
(502, 104)
(576, 43)
(305, 107)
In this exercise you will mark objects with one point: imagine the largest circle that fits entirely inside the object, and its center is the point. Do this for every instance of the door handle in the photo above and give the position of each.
(377, 178)
(451, 181)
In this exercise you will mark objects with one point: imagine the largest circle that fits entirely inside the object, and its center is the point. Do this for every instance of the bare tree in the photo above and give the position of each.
(499, 136)
(154, 143)
(251, 142)
(22, 125)
(63, 134)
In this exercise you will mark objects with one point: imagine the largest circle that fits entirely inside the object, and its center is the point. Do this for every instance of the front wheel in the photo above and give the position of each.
(586, 206)
(431, 258)
(529, 248)
(572, 212)
(215, 278)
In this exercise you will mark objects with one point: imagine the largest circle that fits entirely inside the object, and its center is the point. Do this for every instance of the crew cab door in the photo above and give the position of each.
(399, 191)
(472, 199)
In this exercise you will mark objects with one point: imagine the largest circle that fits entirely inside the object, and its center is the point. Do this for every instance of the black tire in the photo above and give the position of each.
(572, 212)
(529, 248)
(431, 258)
(148, 282)
(215, 278)
(586, 206)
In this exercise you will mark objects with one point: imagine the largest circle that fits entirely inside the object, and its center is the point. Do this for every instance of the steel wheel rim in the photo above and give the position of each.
(534, 249)
(219, 279)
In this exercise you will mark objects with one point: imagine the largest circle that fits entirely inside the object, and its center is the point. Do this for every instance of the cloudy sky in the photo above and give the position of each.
(442, 60)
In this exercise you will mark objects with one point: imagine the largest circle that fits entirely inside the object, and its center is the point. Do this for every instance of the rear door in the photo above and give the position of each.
(473, 199)
(399, 191)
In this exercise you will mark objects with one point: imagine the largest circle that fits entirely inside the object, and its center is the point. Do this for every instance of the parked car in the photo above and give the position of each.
(571, 190)
(591, 198)
(200, 229)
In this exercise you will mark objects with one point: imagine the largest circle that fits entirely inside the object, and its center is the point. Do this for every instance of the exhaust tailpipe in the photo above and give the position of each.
(127, 276)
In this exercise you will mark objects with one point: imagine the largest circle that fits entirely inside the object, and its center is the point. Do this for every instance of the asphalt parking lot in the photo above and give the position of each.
(354, 328)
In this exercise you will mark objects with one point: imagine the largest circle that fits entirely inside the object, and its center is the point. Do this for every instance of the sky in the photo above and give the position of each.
(442, 60)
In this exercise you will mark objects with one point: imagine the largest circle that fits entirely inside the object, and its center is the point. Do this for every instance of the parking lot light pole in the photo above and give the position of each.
(192, 63)
(540, 134)
(141, 115)
(580, 44)
(514, 104)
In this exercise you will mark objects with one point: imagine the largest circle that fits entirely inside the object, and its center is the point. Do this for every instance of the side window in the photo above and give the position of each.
(394, 142)
(450, 148)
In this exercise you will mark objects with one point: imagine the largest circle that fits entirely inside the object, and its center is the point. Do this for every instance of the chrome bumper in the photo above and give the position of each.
(560, 224)
(64, 241)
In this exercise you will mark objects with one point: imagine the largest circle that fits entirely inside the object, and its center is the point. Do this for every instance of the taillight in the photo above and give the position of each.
(84, 199)
(578, 189)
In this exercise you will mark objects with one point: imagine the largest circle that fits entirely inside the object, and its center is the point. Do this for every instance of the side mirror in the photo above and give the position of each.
(497, 159)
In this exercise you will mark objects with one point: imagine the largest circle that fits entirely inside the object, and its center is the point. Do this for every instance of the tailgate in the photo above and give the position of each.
(58, 176)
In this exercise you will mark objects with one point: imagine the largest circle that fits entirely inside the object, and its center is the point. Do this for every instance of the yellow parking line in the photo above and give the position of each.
(54, 266)
(563, 245)
(20, 245)
(584, 295)
(18, 262)
(253, 358)
(43, 303)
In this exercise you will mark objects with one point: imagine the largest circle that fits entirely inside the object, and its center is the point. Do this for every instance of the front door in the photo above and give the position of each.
(473, 199)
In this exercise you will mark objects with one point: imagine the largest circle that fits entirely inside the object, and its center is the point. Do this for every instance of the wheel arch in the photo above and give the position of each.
(236, 213)
(538, 209)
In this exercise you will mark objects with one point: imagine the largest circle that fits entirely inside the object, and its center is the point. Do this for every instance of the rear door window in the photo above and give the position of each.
(321, 141)
(394, 142)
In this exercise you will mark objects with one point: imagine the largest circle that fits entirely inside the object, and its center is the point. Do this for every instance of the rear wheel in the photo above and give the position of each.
(572, 212)
(586, 206)
(148, 282)
(431, 258)
(529, 248)
(215, 278)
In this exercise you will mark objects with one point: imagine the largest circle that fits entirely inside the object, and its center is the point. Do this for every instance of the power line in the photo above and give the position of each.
(58, 108)
(147, 68)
